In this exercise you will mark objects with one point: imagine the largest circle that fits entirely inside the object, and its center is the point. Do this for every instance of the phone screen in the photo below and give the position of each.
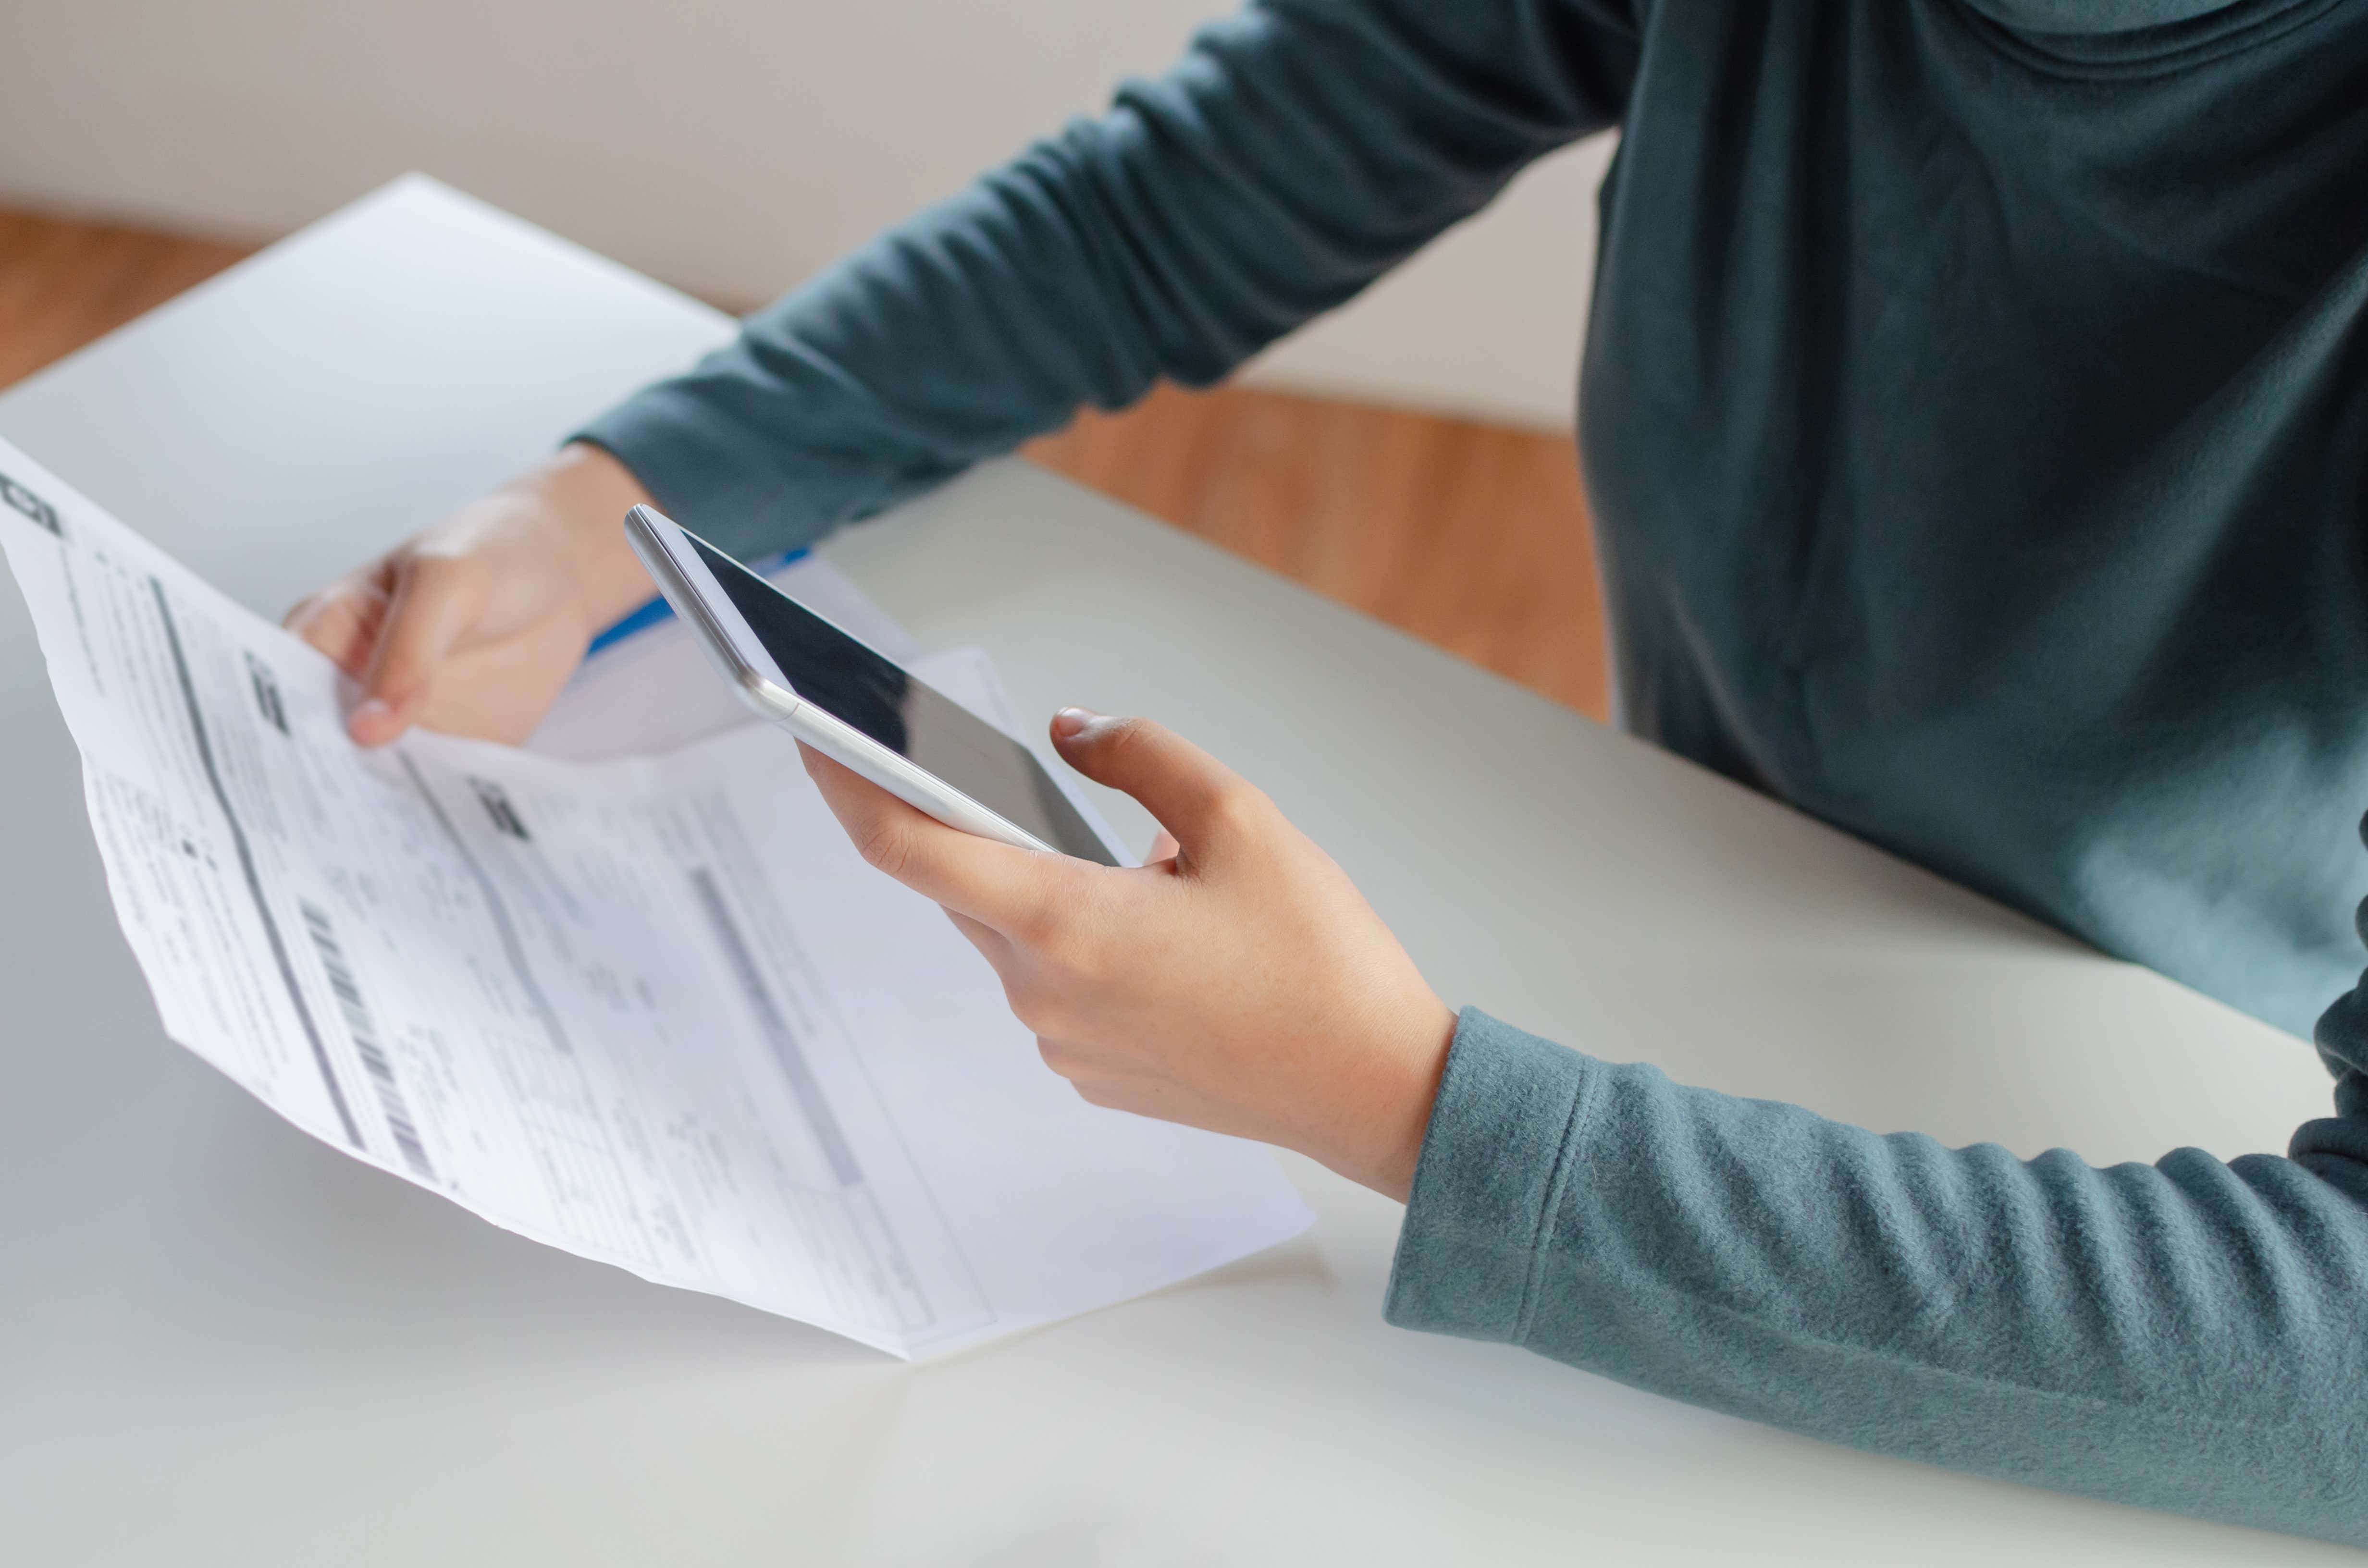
(876, 695)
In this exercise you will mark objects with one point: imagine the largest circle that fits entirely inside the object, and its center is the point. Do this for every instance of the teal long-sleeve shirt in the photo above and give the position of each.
(1975, 417)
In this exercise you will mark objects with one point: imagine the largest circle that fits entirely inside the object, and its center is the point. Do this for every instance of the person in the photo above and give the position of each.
(1975, 418)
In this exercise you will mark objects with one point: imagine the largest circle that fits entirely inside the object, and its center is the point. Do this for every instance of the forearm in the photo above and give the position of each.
(2183, 1336)
(1299, 149)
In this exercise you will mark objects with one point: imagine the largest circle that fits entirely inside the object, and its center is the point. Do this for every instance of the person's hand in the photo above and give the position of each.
(474, 625)
(1238, 983)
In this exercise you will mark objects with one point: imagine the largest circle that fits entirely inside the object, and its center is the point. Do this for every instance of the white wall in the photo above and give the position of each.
(729, 146)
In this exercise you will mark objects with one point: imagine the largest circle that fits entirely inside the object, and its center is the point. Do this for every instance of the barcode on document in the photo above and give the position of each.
(365, 1036)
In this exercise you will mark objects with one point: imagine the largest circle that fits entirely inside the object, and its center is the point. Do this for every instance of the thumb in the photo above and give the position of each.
(1200, 800)
(435, 599)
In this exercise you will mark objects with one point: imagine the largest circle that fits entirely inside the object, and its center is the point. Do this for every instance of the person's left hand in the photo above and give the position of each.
(1238, 983)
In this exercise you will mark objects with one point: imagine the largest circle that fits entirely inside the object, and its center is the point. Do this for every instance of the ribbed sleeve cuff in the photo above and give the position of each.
(1510, 1112)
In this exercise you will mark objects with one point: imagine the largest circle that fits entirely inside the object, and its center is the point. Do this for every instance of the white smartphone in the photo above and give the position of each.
(856, 705)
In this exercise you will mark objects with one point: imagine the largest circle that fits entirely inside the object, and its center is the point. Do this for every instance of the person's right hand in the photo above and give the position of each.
(473, 625)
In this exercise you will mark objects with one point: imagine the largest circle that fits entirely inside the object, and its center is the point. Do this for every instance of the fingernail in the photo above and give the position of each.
(370, 711)
(1070, 722)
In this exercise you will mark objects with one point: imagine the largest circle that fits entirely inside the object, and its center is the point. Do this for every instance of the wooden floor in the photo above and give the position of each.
(1470, 536)
(63, 284)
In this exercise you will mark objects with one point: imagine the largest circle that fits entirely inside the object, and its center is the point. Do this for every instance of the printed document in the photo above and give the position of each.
(651, 1008)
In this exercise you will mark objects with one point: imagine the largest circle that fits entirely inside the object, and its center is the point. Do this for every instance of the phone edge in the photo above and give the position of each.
(775, 701)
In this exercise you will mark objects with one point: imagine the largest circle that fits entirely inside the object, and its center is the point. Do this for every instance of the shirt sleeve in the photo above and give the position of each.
(1299, 149)
(2186, 1336)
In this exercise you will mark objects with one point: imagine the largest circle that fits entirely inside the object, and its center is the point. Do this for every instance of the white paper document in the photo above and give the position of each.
(652, 1009)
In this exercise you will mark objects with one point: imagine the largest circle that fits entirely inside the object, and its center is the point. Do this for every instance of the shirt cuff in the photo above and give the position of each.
(1493, 1159)
(705, 472)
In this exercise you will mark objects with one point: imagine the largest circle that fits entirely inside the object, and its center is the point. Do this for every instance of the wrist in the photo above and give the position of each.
(1378, 1141)
(584, 493)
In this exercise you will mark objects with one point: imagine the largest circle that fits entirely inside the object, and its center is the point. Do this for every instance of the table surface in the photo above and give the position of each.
(221, 1342)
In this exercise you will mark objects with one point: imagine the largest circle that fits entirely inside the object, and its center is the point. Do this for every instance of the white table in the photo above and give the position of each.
(220, 1342)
